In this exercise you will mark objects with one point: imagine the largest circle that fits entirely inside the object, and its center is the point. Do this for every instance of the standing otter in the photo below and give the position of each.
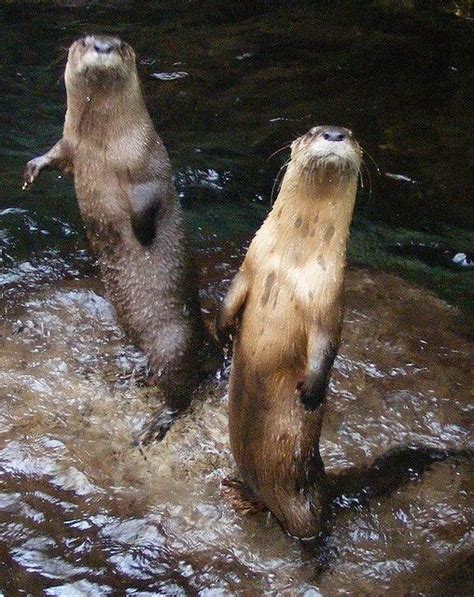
(134, 222)
(285, 305)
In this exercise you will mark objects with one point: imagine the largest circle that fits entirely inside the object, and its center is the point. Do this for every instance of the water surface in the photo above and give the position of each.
(82, 511)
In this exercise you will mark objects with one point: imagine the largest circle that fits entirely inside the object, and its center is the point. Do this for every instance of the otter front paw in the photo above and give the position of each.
(311, 395)
(31, 171)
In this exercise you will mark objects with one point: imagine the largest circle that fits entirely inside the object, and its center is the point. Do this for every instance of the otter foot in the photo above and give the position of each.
(241, 498)
(157, 428)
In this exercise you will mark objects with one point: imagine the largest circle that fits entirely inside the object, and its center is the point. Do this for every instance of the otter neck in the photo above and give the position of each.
(99, 110)
(317, 208)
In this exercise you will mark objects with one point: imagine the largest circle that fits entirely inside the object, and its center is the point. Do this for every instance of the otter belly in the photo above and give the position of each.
(146, 290)
(274, 439)
(152, 288)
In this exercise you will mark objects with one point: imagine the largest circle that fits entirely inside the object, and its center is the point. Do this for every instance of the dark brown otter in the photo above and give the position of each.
(285, 305)
(133, 219)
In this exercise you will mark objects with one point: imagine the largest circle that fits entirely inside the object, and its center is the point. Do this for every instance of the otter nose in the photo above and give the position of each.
(334, 135)
(102, 47)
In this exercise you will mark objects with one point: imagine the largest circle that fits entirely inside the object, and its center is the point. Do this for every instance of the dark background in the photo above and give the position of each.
(230, 83)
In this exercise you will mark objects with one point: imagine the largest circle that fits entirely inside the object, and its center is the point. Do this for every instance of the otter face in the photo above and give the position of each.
(99, 55)
(327, 147)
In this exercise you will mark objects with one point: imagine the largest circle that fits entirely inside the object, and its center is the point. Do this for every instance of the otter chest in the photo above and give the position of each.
(102, 198)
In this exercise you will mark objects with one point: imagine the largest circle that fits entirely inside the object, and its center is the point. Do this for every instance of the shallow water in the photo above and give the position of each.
(83, 511)
(82, 507)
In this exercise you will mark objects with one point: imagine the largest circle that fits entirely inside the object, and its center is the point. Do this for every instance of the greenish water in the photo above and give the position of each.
(250, 78)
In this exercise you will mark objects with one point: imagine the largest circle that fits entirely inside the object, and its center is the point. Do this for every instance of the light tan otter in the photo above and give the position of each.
(133, 219)
(285, 305)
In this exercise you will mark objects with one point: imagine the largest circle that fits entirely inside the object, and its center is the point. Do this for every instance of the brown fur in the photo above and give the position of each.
(241, 498)
(134, 222)
(286, 305)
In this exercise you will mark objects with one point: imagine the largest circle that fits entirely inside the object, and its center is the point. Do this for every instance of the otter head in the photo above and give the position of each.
(99, 58)
(328, 150)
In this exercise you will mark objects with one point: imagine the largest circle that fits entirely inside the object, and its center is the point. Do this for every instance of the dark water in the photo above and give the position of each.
(82, 511)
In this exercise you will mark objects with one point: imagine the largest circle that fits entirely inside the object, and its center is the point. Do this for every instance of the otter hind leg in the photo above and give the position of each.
(303, 516)
(157, 428)
(241, 497)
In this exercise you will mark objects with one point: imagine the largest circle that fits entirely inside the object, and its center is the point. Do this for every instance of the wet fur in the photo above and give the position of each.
(285, 307)
(133, 219)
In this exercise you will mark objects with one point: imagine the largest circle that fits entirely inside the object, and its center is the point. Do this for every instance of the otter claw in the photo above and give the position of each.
(311, 398)
(241, 497)
(30, 174)
(156, 429)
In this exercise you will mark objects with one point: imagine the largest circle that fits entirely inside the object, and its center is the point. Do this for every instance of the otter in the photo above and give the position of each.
(133, 219)
(284, 308)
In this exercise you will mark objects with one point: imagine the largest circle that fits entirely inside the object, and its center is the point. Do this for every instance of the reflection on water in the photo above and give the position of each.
(82, 511)
(81, 507)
